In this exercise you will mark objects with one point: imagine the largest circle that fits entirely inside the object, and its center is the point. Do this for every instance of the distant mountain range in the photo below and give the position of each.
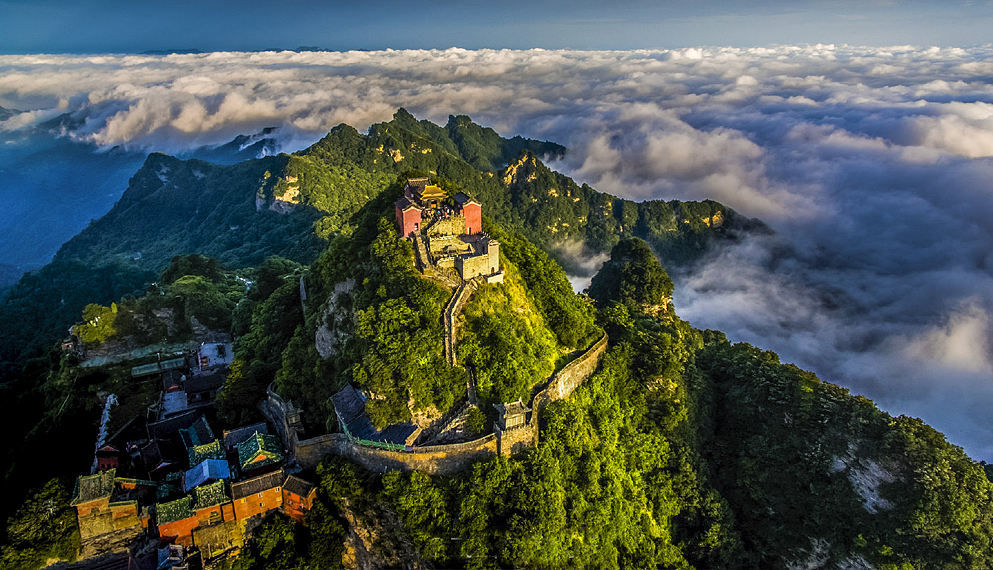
(289, 205)
(52, 185)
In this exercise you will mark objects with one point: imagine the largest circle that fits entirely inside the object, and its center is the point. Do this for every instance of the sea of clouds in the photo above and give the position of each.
(873, 166)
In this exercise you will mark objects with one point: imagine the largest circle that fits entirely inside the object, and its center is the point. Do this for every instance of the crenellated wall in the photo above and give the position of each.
(434, 459)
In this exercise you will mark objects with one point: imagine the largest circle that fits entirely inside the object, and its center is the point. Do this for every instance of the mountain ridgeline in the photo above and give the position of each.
(291, 205)
(680, 450)
(325, 184)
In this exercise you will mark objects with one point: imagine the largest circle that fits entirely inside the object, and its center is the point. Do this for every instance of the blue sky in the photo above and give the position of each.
(64, 26)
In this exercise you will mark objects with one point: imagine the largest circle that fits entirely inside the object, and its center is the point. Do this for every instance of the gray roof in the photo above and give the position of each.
(403, 203)
(171, 426)
(350, 409)
(462, 199)
(197, 434)
(298, 486)
(204, 383)
(257, 484)
(237, 435)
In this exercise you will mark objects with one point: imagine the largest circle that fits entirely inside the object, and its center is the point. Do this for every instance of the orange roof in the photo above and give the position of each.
(432, 191)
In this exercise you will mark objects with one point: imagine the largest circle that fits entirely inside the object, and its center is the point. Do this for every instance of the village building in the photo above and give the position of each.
(202, 390)
(176, 520)
(298, 497)
(207, 505)
(212, 504)
(233, 437)
(108, 505)
(156, 463)
(259, 453)
(108, 457)
(169, 427)
(258, 495)
(200, 443)
(173, 402)
(208, 471)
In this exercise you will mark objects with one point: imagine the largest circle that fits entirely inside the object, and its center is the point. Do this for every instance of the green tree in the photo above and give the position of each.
(98, 323)
(632, 276)
(43, 528)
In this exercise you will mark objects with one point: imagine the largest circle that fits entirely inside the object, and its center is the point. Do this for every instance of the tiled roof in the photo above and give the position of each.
(418, 182)
(350, 409)
(154, 458)
(404, 204)
(200, 453)
(512, 408)
(174, 510)
(432, 191)
(462, 199)
(235, 436)
(203, 383)
(93, 487)
(210, 495)
(257, 484)
(210, 469)
(197, 434)
(298, 486)
(259, 450)
(170, 426)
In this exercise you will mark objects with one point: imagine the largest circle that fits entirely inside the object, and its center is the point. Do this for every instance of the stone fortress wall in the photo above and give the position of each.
(452, 310)
(435, 459)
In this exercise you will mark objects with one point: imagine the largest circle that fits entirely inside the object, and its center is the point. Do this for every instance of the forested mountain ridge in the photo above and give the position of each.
(291, 205)
(325, 184)
(681, 450)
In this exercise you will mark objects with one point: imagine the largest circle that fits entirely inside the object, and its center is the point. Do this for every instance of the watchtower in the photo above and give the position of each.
(511, 415)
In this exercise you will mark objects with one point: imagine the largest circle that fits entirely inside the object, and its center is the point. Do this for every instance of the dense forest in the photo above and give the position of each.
(682, 450)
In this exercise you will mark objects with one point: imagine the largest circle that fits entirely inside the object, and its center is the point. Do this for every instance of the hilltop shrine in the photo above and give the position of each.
(447, 231)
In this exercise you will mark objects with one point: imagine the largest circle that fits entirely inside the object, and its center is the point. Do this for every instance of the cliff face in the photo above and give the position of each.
(376, 540)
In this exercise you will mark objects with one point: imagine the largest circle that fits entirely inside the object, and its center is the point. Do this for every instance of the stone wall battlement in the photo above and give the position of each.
(443, 459)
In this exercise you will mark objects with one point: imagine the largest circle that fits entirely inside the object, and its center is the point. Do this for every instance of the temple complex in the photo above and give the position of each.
(447, 231)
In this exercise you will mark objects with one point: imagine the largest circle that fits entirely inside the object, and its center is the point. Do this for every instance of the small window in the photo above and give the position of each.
(261, 504)
(260, 494)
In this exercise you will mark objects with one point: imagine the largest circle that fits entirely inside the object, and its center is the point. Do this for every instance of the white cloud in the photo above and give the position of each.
(872, 164)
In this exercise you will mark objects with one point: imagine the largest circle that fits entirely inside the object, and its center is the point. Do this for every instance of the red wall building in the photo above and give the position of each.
(473, 218)
(408, 217)
(259, 495)
(471, 211)
(298, 497)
